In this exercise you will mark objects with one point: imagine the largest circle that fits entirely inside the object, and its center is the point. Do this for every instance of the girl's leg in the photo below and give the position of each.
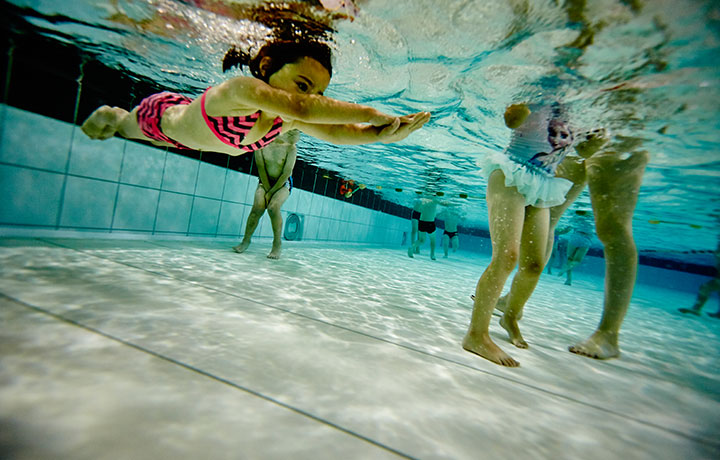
(532, 261)
(256, 213)
(273, 209)
(506, 212)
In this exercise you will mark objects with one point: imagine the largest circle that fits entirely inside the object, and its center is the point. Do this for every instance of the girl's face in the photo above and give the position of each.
(559, 135)
(306, 76)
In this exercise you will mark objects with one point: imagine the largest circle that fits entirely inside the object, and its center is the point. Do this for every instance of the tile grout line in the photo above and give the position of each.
(207, 374)
(407, 347)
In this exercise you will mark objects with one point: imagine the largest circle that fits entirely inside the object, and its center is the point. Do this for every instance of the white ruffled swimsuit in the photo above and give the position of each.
(529, 162)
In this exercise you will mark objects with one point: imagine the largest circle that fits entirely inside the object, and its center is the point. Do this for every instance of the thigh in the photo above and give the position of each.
(259, 203)
(614, 186)
(534, 235)
(506, 213)
(278, 199)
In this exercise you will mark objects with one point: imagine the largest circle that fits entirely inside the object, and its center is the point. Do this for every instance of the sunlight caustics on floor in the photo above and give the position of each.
(177, 349)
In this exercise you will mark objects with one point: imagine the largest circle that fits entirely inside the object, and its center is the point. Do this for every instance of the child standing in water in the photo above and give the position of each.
(521, 188)
(275, 165)
(244, 114)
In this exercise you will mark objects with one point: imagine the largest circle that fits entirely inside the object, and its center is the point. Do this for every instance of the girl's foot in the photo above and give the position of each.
(511, 326)
(103, 123)
(486, 348)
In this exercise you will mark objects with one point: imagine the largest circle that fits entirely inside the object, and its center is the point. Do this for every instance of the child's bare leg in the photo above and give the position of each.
(106, 121)
(614, 189)
(276, 220)
(256, 213)
(532, 260)
(506, 209)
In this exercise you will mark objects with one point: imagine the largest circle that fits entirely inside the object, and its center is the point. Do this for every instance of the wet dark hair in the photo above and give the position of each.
(280, 53)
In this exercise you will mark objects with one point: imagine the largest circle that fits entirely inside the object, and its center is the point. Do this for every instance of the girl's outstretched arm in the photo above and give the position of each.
(310, 108)
(357, 134)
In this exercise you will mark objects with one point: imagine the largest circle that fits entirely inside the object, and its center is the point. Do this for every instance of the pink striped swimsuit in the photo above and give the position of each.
(232, 130)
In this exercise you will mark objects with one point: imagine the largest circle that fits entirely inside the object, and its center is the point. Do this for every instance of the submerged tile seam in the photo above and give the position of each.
(689, 436)
(203, 373)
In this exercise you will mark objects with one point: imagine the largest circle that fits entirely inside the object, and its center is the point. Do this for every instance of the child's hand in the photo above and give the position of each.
(515, 115)
(401, 127)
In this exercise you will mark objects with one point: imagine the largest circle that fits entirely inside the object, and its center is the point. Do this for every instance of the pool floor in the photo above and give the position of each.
(183, 349)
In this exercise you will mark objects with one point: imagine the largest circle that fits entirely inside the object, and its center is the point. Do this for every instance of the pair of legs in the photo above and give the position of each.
(518, 234)
(703, 294)
(448, 242)
(415, 247)
(575, 255)
(260, 205)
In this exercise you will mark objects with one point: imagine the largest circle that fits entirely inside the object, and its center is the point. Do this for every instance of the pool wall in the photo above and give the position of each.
(52, 177)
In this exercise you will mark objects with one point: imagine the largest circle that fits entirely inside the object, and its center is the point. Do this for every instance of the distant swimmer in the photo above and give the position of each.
(580, 233)
(426, 226)
(451, 217)
(705, 290)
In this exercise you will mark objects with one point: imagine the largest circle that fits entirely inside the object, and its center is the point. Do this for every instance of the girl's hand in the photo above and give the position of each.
(401, 127)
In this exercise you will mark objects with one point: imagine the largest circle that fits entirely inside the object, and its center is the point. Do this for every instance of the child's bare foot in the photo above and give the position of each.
(690, 310)
(599, 346)
(511, 326)
(242, 247)
(410, 252)
(501, 305)
(486, 348)
(103, 123)
(715, 315)
(275, 252)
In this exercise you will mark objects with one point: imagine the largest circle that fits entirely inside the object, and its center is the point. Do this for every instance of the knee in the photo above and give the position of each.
(506, 260)
(532, 267)
(612, 231)
(274, 211)
(257, 211)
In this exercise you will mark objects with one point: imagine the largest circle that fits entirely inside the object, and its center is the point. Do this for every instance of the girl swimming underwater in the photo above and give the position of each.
(244, 114)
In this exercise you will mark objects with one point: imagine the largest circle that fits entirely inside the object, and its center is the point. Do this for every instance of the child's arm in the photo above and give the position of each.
(287, 170)
(309, 108)
(262, 171)
(365, 134)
